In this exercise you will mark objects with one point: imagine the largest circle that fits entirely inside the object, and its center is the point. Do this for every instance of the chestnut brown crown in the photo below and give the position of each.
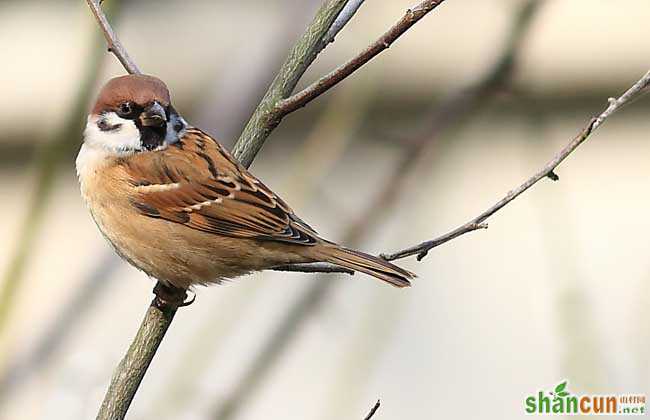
(138, 88)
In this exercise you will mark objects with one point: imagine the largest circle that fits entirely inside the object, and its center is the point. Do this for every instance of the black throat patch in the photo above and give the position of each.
(151, 137)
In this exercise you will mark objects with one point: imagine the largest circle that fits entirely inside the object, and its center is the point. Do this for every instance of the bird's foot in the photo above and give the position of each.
(170, 297)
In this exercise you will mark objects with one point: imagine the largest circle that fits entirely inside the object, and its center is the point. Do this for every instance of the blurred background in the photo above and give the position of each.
(465, 106)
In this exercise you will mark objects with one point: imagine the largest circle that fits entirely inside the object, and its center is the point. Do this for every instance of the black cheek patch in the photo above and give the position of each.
(103, 125)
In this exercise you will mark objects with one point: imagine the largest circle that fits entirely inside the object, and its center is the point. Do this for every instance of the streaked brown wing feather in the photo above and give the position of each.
(199, 184)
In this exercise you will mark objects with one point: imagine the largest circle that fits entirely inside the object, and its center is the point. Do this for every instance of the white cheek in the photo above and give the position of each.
(126, 138)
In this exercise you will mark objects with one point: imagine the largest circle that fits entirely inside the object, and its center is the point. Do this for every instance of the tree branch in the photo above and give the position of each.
(114, 44)
(266, 117)
(131, 370)
(325, 83)
(633, 93)
(277, 102)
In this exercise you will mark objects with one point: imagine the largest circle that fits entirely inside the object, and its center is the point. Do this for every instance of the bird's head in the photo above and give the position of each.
(133, 114)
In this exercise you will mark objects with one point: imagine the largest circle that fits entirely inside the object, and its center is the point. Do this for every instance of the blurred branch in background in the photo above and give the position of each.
(448, 112)
(547, 171)
(46, 162)
(226, 107)
(302, 55)
(19, 371)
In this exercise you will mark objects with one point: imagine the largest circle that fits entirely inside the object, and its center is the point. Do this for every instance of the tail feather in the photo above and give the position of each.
(369, 264)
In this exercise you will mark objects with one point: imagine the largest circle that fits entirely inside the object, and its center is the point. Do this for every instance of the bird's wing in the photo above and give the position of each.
(196, 182)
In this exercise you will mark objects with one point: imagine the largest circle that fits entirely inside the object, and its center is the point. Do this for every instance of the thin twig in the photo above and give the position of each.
(547, 171)
(328, 81)
(277, 103)
(373, 410)
(114, 44)
(638, 89)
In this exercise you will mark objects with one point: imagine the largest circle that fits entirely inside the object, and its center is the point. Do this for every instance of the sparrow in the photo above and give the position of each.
(174, 203)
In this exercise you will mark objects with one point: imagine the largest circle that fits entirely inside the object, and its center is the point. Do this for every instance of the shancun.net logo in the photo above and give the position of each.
(562, 402)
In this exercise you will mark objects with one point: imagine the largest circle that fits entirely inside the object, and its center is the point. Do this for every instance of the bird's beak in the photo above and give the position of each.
(153, 116)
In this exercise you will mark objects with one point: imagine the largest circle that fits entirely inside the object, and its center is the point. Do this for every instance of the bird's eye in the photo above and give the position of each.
(125, 109)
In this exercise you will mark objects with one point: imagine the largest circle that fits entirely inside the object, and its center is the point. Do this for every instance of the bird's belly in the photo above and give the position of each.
(172, 252)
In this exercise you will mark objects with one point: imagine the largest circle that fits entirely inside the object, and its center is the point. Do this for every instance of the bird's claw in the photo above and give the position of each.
(170, 297)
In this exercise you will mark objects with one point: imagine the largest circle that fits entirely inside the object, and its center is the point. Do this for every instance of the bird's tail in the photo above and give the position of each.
(369, 264)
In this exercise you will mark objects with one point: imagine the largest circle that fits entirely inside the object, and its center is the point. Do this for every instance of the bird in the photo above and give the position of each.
(175, 204)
